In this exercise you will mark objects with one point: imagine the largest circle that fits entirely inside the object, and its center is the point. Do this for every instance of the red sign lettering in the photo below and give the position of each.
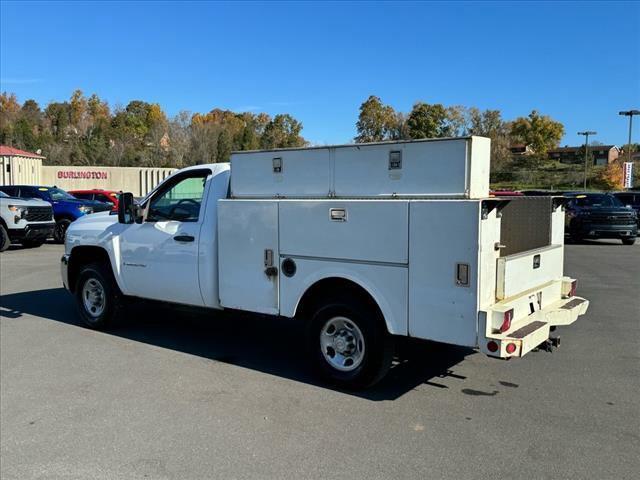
(83, 175)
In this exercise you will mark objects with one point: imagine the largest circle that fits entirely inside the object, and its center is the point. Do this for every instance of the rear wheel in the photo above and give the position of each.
(628, 241)
(98, 297)
(4, 239)
(349, 343)
(60, 230)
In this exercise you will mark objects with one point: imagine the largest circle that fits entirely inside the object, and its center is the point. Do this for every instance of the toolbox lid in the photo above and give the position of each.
(447, 167)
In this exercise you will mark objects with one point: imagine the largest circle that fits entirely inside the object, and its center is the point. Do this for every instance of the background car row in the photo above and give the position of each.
(63, 206)
(589, 215)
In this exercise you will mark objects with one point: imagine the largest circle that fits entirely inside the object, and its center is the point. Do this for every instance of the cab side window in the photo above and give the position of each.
(180, 201)
(100, 197)
(31, 192)
(11, 191)
(83, 196)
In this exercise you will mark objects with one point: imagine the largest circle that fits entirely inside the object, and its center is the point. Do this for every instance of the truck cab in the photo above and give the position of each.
(363, 243)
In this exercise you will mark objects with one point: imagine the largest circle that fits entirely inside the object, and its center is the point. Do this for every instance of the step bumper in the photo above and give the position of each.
(529, 333)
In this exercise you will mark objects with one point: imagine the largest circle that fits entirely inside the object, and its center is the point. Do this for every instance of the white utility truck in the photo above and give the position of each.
(364, 243)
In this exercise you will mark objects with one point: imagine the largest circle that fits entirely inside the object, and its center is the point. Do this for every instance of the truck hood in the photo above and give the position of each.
(99, 218)
(97, 206)
(30, 202)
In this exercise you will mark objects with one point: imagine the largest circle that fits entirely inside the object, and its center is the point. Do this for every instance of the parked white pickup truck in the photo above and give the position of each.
(29, 222)
(364, 243)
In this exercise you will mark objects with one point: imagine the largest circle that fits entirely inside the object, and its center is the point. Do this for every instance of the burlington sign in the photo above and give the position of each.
(86, 174)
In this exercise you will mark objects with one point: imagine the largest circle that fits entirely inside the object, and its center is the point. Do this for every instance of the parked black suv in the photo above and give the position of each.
(632, 199)
(600, 215)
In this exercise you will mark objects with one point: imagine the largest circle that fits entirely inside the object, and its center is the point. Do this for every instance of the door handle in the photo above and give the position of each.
(184, 238)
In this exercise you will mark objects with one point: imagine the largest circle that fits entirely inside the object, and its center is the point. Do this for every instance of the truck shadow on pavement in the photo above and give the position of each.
(269, 345)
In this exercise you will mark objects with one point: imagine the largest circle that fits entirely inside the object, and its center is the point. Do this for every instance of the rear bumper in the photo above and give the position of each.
(33, 231)
(528, 331)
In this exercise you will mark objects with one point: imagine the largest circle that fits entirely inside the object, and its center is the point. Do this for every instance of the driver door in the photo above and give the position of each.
(159, 257)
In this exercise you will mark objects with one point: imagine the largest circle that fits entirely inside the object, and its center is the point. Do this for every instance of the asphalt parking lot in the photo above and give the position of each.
(188, 396)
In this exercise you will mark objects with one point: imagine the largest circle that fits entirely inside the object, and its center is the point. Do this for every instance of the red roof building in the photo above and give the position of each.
(6, 151)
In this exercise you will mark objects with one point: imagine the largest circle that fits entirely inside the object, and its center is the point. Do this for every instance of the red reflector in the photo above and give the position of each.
(511, 347)
(492, 346)
(574, 287)
(506, 322)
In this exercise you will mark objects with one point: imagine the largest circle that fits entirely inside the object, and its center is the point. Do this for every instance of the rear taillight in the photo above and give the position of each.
(511, 347)
(574, 287)
(506, 321)
(492, 346)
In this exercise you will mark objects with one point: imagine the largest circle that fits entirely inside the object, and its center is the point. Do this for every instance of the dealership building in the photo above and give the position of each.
(25, 168)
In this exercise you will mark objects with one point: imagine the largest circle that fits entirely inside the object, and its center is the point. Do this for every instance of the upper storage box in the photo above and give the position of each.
(456, 167)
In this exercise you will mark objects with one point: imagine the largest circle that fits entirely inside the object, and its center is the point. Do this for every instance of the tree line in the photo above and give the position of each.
(379, 122)
(87, 131)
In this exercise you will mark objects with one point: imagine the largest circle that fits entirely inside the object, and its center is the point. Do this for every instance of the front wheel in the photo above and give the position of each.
(60, 230)
(628, 241)
(5, 241)
(349, 343)
(98, 297)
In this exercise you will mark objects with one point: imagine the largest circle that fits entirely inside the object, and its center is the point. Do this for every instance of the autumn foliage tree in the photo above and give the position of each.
(612, 176)
(87, 131)
(540, 132)
(427, 121)
(376, 121)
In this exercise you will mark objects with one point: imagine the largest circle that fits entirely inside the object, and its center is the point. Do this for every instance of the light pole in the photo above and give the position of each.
(586, 153)
(630, 114)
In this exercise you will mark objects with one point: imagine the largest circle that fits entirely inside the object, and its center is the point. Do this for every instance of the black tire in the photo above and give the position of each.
(60, 230)
(628, 241)
(33, 243)
(378, 344)
(112, 310)
(5, 241)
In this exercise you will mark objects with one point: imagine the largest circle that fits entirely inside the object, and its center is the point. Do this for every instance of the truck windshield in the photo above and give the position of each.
(57, 194)
(598, 200)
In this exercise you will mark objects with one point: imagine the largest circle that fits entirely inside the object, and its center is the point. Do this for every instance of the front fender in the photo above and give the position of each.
(98, 231)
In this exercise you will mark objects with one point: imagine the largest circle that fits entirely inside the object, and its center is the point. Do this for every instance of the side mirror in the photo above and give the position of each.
(127, 209)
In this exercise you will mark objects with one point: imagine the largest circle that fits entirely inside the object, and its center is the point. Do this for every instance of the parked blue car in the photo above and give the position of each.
(66, 207)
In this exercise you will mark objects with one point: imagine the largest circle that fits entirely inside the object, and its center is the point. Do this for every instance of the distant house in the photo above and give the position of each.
(635, 156)
(521, 149)
(6, 151)
(18, 166)
(601, 154)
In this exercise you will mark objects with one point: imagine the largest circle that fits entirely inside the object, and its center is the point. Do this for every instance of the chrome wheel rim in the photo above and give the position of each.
(93, 297)
(342, 344)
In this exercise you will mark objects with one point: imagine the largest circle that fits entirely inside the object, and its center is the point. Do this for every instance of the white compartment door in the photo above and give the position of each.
(248, 242)
(443, 234)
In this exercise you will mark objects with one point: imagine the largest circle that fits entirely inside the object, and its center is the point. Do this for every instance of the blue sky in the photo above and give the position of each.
(578, 62)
